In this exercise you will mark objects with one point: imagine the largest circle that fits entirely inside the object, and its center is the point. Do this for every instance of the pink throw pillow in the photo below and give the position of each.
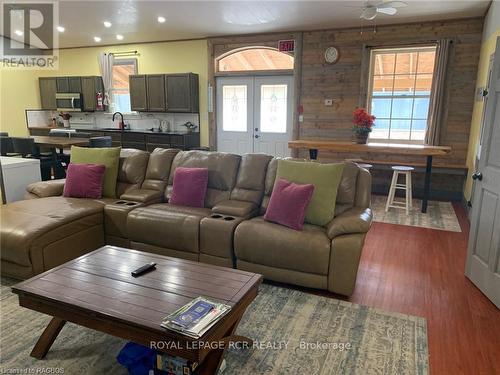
(84, 181)
(190, 187)
(288, 203)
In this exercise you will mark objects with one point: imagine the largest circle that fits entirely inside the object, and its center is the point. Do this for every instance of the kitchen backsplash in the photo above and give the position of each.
(99, 120)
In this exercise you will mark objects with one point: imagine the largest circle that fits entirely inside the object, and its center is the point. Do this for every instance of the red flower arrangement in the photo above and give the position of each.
(363, 121)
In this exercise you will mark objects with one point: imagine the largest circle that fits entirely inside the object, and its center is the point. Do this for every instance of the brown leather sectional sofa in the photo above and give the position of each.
(38, 234)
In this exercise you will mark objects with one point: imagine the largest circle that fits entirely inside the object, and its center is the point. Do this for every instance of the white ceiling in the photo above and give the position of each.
(137, 20)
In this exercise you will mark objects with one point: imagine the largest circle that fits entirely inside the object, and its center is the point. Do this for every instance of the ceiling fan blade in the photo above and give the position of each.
(369, 13)
(388, 11)
(392, 4)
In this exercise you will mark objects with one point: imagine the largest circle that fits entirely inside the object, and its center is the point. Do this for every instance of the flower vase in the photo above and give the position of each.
(66, 123)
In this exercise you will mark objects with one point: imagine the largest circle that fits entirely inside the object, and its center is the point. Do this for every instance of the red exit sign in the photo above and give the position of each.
(286, 45)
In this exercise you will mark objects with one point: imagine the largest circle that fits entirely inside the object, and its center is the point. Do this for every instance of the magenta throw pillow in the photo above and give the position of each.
(288, 203)
(190, 186)
(84, 181)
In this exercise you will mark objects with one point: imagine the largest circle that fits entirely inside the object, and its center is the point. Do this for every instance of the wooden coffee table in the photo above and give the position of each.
(97, 291)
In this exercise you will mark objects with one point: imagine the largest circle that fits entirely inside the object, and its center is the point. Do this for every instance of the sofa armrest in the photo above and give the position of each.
(354, 220)
(44, 189)
(143, 196)
(235, 208)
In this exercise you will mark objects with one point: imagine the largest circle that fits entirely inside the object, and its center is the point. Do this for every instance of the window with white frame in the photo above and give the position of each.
(122, 69)
(400, 92)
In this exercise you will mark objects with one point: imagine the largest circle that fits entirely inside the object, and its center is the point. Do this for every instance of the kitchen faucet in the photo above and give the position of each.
(121, 124)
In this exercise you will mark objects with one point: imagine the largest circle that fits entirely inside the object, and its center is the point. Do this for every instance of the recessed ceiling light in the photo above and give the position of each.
(107, 24)
(60, 29)
(161, 19)
(119, 36)
(97, 39)
(18, 32)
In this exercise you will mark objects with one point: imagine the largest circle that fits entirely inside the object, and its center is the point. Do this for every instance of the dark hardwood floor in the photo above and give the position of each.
(420, 271)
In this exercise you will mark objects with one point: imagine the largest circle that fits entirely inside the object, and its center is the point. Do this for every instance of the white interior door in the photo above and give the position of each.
(483, 257)
(255, 114)
(273, 115)
(235, 114)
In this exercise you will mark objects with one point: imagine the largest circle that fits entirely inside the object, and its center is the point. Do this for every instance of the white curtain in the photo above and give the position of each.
(106, 67)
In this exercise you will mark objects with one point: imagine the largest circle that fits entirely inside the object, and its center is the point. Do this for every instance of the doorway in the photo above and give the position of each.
(254, 114)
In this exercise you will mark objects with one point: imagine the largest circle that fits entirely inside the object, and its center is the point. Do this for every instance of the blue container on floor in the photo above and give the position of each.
(137, 359)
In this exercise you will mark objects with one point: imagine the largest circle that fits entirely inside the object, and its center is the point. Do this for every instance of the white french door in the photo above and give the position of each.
(254, 114)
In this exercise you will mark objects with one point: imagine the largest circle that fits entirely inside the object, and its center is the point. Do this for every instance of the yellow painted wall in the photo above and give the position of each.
(19, 88)
(487, 49)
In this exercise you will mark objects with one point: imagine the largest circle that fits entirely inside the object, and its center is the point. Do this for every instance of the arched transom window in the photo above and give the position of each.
(255, 58)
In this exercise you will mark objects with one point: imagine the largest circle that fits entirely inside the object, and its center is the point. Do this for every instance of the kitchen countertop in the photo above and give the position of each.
(140, 131)
(144, 131)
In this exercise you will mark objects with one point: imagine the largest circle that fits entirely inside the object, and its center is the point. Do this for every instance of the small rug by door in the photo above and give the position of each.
(440, 215)
(295, 332)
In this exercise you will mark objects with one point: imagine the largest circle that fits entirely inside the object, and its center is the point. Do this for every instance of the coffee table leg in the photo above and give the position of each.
(214, 359)
(47, 338)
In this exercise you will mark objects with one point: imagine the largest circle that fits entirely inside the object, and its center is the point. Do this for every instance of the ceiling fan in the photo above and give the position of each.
(370, 11)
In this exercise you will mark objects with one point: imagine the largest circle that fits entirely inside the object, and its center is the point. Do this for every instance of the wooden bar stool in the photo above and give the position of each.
(406, 186)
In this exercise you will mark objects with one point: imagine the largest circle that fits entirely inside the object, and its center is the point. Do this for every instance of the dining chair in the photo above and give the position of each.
(27, 148)
(6, 148)
(100, 142)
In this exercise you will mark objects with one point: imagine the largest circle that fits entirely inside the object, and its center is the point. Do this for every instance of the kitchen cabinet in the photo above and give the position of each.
(48, 89)
(62, 84)
(182, 92)
(90, 86)
(138, 93)
(155, 86)
(164, 92)
(69, 84)
(74, 84)
(148, 140)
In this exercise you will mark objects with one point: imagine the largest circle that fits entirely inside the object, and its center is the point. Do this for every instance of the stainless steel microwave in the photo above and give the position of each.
(69, 102)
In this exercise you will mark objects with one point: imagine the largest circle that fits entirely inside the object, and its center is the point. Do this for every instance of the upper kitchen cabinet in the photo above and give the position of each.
(69, 84)
(138, 92)
(155, 87)
(90, 87)
(182, 92)
(48, 89)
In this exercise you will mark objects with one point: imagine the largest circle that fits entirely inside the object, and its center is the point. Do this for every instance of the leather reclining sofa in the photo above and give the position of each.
(47, 229)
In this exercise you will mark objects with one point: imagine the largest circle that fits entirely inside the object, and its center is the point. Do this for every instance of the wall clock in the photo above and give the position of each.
(331, 55)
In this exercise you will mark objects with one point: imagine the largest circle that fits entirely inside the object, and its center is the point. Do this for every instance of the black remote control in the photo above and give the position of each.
(142, 270)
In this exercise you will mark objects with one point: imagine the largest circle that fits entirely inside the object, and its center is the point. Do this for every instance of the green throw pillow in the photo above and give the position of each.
(109, 157)
(325, 178)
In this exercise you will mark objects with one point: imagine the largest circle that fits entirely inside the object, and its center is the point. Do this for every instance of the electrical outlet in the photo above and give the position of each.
(328, 102)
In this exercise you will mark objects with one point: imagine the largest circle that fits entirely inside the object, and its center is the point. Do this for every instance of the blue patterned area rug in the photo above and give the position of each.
(294, 333)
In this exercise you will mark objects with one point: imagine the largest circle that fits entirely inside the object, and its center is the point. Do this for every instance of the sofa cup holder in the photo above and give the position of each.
(222, 217)
(125, 203)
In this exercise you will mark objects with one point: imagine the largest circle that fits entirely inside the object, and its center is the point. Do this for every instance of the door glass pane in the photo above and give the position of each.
(273, 108)
(234, 108)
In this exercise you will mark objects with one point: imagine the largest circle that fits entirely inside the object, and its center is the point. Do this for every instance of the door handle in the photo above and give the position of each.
(257, 136)
(477, 176)
(256, 129)
(73, 103)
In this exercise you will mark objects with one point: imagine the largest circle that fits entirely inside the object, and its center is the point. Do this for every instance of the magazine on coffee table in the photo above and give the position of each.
(196, 317)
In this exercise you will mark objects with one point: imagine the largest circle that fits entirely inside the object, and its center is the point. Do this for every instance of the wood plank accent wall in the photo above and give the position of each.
(345, 81)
